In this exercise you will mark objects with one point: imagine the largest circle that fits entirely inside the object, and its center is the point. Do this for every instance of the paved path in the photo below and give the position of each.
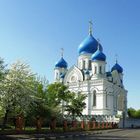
(114, 134)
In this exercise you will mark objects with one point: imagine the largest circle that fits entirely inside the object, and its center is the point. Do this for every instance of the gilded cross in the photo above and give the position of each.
(116, 57)
(62, 52)
(90, 27)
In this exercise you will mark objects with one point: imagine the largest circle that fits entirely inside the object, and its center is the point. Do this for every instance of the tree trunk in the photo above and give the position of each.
(5, 119)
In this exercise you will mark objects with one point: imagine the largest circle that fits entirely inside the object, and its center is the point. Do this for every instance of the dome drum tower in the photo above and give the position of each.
(60, 69)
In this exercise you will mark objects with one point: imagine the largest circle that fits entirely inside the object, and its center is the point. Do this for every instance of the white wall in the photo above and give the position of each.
(129, 122)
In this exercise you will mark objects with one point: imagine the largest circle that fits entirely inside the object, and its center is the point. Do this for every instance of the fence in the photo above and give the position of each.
(68, 124)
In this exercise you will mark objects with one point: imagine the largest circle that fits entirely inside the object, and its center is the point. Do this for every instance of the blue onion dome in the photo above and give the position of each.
(89, 45)
(61, 63)
(87, 72)
(98, 56)
(117, 67)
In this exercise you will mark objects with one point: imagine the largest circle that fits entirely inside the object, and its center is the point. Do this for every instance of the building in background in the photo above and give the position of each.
(105, 91)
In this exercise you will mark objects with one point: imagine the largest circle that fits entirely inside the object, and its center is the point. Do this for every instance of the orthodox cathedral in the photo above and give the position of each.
(105, 91)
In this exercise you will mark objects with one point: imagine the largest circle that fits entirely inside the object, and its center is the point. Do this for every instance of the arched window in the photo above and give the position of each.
(95, 70)
(100, 69)
(94, 98)
(84, 64)
(57, 75)
(89, 65)
(106, 100)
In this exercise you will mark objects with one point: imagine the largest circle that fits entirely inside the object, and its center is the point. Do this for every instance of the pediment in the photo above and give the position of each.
(73, 75)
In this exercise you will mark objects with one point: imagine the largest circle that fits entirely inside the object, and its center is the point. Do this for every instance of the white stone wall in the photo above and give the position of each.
(84, 58)
(128, 122)
(105, 105)
(98, 64)
(111, 96)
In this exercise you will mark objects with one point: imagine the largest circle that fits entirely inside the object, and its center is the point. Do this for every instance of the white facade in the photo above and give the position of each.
(105, 91)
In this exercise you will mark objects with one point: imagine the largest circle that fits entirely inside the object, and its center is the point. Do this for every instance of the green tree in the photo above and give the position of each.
(3, 69)
(76, 104)
(137, 114)
(56, 93)
(50, 99)
(47, 100)
(59, 95)
(17, 90)
(40, 107)
(3, 72)
(132, 113)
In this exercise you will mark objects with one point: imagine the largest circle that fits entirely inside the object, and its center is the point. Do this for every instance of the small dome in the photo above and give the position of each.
(117, 67)
(89, 45)
(61, 63)
(98, 55)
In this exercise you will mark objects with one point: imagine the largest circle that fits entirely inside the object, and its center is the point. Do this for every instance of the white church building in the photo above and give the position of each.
(105, 91)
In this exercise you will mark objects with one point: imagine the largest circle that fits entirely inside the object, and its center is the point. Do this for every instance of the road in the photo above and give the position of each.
(117, 134)
(126, 134)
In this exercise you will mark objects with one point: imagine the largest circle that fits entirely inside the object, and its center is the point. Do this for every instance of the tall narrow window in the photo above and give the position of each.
(114, 102)
(89, 65)
(81, 64)
(94, 98)
(106, 100)
(100, 69)
(57, 76)
(84, 64)
(95, 70)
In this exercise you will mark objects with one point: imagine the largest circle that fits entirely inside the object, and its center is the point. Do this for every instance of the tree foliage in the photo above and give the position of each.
(3, 72)
(57, 92)
(76, 104)
(22, 92)
(17, 89)
(57, 96)
(132, 113)
(3, 69)
(40, 107)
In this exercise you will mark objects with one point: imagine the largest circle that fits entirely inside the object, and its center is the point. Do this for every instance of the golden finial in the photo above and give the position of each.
(62, 52)
(90, 27)
(116, 57)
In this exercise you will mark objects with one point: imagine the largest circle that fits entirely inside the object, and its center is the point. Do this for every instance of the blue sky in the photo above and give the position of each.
(35, 30)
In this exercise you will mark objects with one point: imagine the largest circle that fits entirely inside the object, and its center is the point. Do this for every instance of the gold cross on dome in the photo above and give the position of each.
(90, 27)
(116, 57)
(62, 52)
